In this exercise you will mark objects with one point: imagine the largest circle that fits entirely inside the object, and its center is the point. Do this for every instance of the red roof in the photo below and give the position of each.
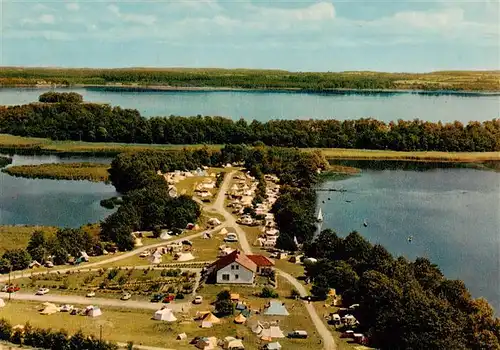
(237, 257)
(261, 260)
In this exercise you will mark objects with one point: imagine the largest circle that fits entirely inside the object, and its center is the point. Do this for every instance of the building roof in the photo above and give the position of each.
(237, 257)
(261, 260)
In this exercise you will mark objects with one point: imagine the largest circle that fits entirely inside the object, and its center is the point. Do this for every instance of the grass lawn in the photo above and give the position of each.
(12, 237)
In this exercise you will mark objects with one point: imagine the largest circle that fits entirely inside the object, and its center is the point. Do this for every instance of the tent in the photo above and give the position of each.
(155, 258)
(205, 324)
(240, 319)
(276, 308)
(164, 235)
(207, 343)
(138, 242)
(258, 328)
(181, 336)
(2, 303)
(165, 315)
(272, 332)
(223, 231)
(200, 315)
(241, 306)
(273, 346)
(49, 309)
(185, 257)
(214, 221)
(233, 343)
(210, 317)
(235, 297)
(93, 311)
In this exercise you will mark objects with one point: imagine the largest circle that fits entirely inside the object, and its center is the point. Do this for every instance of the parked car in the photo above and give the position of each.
(66, 308)
(42, 291)
(298, 334)
(49, 264)
(90, 294)
(169, 298)
(126, 296)
(198, 299)
(13, 289)
(75, 311)
(231, 237)
(157, 298)
(187, 242)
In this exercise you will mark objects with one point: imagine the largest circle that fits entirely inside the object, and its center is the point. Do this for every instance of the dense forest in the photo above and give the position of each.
(402, 304)
(96, 122)
(253, 79)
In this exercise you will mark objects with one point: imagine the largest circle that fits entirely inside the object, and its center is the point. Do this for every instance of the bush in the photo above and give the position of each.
(112, 274)
(294, 294)
(268, 293)
(5, 330)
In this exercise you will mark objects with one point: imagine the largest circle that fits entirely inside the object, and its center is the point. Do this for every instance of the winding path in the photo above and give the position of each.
(328, 341)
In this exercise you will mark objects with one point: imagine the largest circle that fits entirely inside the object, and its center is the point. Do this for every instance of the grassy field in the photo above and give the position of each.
(192, 78)
(136, 325)
(12, 237)
(17, 144)
(96, 172)
(339, 153)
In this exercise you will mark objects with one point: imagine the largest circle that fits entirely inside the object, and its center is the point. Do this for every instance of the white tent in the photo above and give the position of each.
(214, 221)
(2, 303)
(182, 336)
(207, 343)
(257, 329)
(164, 235)
(233, 343)
(206, 324)
(165, 315)
(185, 257)
(155, 258)
(223, 231)
(49, 309)
(273, 346)
(93, 311)
(272, 332)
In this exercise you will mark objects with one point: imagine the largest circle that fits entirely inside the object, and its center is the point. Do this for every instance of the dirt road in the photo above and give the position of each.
(101, 302)
(328, 341)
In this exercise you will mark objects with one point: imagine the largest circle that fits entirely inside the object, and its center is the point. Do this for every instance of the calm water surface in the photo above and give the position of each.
(51, 202)
(278, 105)
(452, 214)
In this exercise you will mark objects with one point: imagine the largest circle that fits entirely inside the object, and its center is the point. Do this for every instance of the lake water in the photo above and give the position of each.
(51, 202)
(452, 214)
(263, 106)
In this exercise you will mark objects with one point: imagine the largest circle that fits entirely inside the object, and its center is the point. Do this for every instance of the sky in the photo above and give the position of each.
(305, 35)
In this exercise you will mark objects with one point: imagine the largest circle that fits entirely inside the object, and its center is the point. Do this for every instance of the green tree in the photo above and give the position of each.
(5, 265)
(37, 246)
(19, 259)
(5, 329)
(223, 304)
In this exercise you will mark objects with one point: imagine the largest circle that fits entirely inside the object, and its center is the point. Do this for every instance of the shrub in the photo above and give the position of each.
(5, 329)
(294, 294)
(112, 274)
(268, 293)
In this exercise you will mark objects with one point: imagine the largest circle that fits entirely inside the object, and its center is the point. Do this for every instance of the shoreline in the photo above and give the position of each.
(169, 88)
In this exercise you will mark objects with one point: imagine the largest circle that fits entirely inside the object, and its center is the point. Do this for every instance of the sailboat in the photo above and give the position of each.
(365, 224)
(410, 238)
(320, 215)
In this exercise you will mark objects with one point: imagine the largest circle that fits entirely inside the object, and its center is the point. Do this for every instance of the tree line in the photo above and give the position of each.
(57, 248)
(134, 78)
(49, 339)
(4, 161)
(103, 123)
(402, 304)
